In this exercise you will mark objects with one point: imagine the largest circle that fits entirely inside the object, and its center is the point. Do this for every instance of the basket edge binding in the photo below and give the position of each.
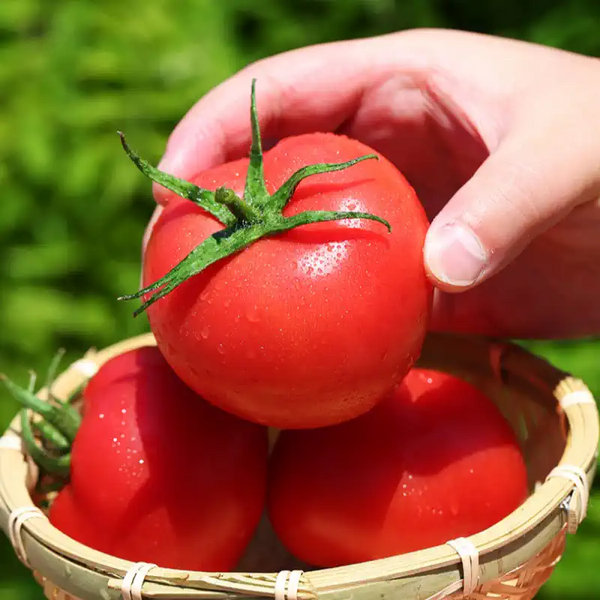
(442, 564)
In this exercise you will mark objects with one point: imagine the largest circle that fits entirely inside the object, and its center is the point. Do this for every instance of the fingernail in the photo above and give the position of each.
(454, 254)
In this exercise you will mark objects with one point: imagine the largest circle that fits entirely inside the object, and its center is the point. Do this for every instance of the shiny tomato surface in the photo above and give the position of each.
(307, 328)
(433, 462)
(159, 475)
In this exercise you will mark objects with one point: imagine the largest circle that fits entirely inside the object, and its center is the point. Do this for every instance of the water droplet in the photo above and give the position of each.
(101, 416)
(227, 303)
(252, 314)
(124, 411)
(122, 422)
(205, 331)
(141, 461)
(204, 294)
(115, 440)
(221, 349)
(237, 318)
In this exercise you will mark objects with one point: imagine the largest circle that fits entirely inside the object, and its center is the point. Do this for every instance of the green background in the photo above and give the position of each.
(73, 209)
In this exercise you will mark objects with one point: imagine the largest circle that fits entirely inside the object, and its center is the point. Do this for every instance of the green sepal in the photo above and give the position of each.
(248, 219)
(63, 417)
(199, 196)
(284, 194)
(55, 465)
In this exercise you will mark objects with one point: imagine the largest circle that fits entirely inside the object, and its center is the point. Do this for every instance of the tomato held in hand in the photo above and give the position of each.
(433, 462)
(308, 327)
(159, 475)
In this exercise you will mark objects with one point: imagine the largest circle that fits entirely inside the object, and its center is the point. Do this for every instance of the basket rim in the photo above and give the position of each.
(527, 529)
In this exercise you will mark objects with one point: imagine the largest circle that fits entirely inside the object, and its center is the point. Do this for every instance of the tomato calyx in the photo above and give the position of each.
(247, 219)
(49, 436)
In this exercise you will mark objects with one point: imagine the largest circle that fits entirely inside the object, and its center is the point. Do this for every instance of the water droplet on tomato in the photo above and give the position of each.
(115, 440)
(141, 461)
(124, 411)
(252, 314)
(221, 349)
(204, 294)
(205, 331)
(101, 416)
(227, 303)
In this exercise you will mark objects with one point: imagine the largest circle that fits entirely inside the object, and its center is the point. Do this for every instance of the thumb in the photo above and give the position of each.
(525, 187)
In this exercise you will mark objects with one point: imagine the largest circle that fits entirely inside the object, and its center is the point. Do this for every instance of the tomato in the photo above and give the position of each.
(433, 462)
(121, 367)
(159, 475)
(310, 327)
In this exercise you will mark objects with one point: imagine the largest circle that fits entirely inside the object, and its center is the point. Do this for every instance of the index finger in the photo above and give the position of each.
(312, 89)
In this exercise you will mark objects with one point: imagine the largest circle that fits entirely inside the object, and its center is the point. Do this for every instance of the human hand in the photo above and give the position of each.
(500, 138)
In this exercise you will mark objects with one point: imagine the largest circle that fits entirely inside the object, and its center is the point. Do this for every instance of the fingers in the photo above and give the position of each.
(312, 89)
(529, 184)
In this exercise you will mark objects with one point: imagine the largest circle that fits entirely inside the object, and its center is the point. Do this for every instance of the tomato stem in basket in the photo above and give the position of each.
(247, 219)
(49, 436)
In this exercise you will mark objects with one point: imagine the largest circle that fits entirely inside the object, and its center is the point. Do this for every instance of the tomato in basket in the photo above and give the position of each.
(433, 462)
(159, 475)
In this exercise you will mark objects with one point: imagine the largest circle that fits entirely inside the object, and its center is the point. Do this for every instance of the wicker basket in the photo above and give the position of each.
(553, 414)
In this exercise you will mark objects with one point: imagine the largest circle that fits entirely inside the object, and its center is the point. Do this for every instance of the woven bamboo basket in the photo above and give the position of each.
(555, 418)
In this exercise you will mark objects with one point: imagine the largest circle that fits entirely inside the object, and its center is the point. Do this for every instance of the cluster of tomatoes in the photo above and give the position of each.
(312, 331)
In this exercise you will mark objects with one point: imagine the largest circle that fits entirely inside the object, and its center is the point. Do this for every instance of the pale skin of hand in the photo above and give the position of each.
(500, 139)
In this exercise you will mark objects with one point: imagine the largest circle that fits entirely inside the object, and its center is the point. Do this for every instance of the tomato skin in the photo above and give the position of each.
(123, 367)
(433, 462)
(158, 475)
(307, 328)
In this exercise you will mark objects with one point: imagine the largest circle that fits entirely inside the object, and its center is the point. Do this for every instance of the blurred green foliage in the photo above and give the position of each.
(73, 208)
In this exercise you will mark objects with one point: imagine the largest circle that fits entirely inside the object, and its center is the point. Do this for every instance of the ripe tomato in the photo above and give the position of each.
(306, 328)
(122, 367)
(159, 475)
(433, 462)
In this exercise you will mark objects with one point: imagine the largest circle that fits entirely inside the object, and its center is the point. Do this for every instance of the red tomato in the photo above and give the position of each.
(120, 368)
(307, 328)
(160, 476)
(433, 462)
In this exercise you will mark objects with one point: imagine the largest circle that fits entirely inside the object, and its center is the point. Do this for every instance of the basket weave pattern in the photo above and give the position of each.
(515, 557)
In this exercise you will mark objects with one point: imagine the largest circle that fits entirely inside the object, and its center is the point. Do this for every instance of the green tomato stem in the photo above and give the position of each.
(255, 216)
(53, 465)
(62, 417)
